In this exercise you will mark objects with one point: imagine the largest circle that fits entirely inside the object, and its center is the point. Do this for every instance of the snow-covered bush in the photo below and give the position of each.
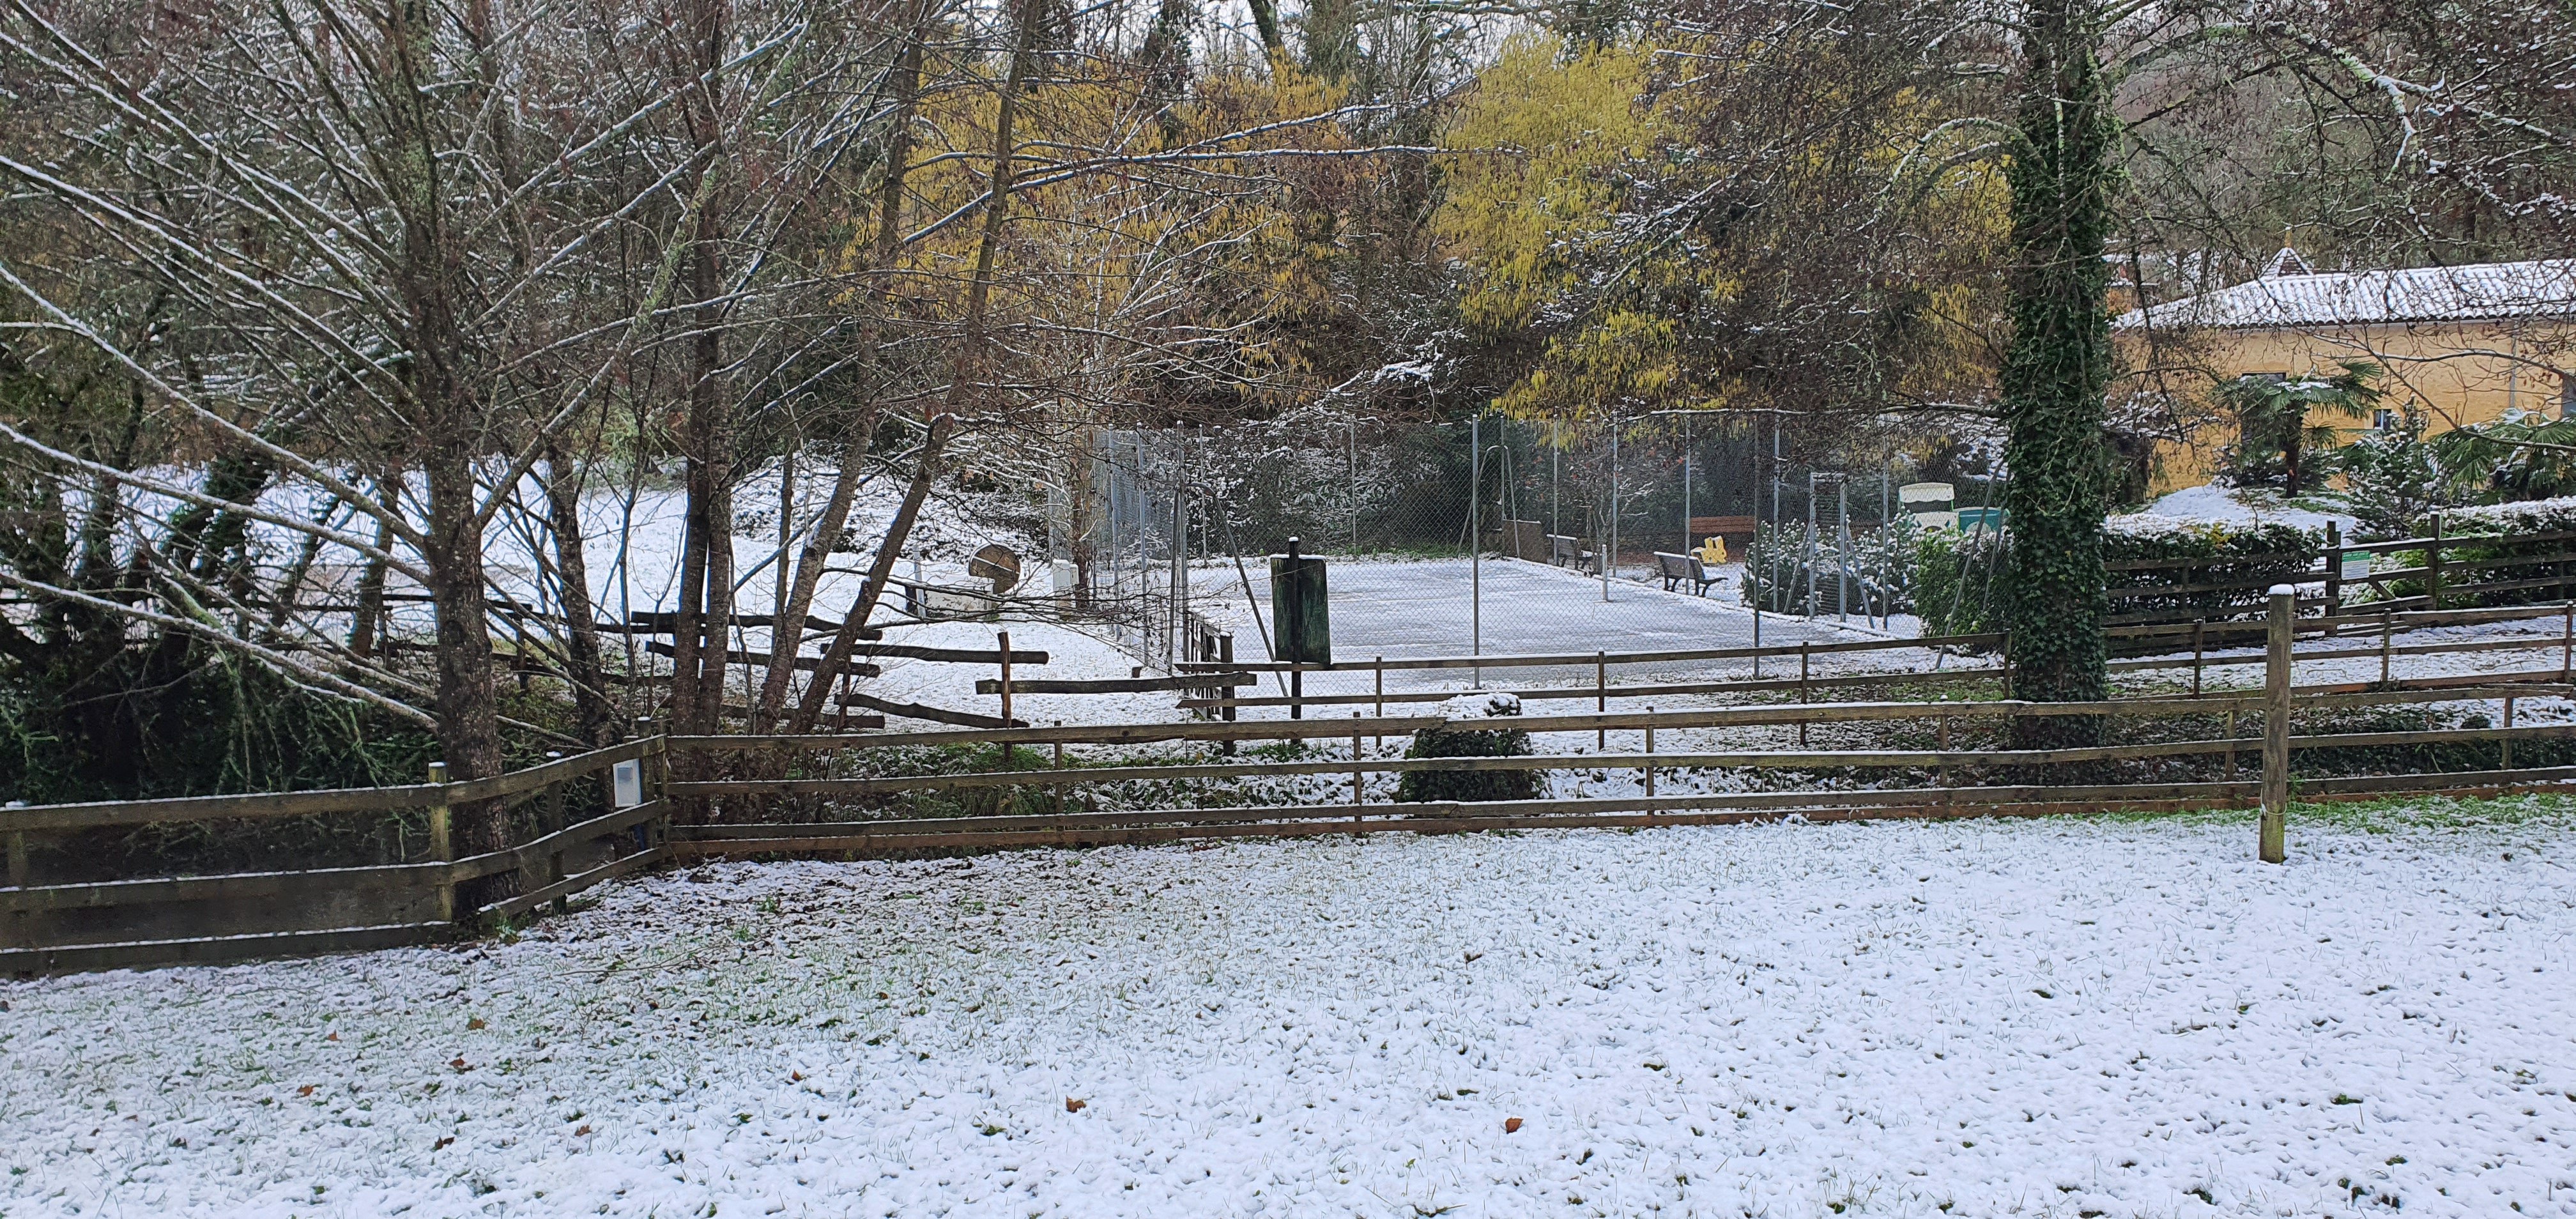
(1880, 571)
(2392, 479)
(1418, 786)
(1963, 577)
(2521, 534)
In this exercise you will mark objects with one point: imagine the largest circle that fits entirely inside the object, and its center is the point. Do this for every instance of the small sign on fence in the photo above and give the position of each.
(2356, 565)
(626, 783)
(1301, 624)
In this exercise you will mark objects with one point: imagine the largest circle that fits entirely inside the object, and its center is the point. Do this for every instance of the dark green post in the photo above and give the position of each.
(1301, 625)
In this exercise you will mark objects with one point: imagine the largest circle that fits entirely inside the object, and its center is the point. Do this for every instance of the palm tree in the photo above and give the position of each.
(2281, 421)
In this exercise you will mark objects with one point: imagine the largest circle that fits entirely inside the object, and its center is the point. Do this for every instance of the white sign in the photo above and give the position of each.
(2356, 567)
(627, 780)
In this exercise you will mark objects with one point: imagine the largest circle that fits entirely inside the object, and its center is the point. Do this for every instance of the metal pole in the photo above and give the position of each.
(1476, 546)
(1355, 483)
(1180, 551)
(1842, 550)
(1610, 551)
(1686, 485)
(1775, 467)
(1811, 544)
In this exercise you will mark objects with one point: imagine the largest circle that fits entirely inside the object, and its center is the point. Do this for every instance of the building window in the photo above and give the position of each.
(2567, 398)
(2383, 418)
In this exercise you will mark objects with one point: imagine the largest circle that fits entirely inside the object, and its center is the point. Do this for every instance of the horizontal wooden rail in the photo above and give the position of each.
(216, 950)
(96, 894)
(2438, 689)
(1882, 678)
(1572, 659)
(1776, 759)
(1604, 813)
(1119, 685)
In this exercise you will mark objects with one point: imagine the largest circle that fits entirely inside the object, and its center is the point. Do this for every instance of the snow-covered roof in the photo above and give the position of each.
(2478, 292)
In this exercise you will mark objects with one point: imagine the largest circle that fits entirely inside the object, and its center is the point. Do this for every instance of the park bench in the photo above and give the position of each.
(1568, 552)
(1680, 567)
(1737, 530)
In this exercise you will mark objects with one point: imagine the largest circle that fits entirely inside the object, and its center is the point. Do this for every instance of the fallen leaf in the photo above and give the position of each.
(474, 1023)
(1072, 1106)
(1511, 1125)
(332, 1037)
(442, 1142)
(796, 1077)
(459, 1064)
(306, 1090)
(578, 1133)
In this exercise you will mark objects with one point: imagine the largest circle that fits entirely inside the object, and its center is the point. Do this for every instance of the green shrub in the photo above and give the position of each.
(1960, 578)
(2465, 567)
(1418, 786)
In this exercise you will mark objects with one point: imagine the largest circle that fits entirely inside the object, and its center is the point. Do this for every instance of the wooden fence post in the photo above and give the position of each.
(22, 929)
(2276, 726)
(555, 858)
(2433, 565)
(2567, 647)
(1358, 796)
(1601, 695)
(650, 770)
(1802, 690)
(1650, 754)
(2334, 573)
(1380, 710)
(1003, 641)
(442, 841)
(1225, 652)
(2231, 744)
(2504, 748)
(2387, 636)
(2198, 627)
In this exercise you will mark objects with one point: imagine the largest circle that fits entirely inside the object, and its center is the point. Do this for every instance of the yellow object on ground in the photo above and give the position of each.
(1713, 552)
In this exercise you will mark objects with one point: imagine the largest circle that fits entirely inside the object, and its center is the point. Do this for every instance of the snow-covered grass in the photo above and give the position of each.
(2247, 505)
(2069, 1017)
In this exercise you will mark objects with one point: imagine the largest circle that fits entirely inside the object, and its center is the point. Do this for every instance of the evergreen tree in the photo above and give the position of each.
(2059, 365)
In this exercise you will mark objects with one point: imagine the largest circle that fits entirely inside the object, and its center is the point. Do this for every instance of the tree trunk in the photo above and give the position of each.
(787, 636)
(368, 620)
(581, 624)
(705, 617)
(2057, 370)
(810, 708)
(974, 351)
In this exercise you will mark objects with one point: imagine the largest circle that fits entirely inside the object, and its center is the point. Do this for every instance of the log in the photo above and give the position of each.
(919, 711)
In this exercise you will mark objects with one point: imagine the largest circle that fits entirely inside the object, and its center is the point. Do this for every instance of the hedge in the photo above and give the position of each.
(1961, 576)
(2465, 567)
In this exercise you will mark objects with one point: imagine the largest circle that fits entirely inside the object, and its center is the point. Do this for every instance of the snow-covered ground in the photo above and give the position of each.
(2069, 1017)
(1400, 608)
(2243, 506)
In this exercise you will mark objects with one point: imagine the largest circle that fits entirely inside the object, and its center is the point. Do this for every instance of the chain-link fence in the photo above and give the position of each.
(1150, 507)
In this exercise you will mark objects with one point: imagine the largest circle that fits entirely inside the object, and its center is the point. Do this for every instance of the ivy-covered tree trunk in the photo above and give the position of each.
(2058, 368)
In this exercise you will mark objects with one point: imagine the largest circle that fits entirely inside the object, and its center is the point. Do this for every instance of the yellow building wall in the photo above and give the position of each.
(2455, 374)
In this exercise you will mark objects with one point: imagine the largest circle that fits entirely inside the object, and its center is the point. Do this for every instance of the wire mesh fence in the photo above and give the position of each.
(1609, 505)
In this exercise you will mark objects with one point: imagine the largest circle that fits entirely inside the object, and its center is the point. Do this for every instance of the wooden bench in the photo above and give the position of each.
(1680, 567)
(1737, 530)
(1568, 552)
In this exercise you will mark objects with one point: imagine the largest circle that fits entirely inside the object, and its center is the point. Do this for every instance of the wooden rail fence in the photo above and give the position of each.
(64, 923)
